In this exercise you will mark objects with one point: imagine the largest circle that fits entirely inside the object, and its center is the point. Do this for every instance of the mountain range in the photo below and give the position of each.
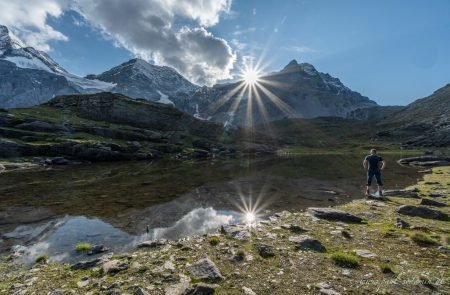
(31, 77)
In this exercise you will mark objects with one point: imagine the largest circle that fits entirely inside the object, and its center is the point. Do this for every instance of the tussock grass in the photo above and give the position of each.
(424, 240)
(83, 247)
(213, 241)
(41, 258)
(345, 260)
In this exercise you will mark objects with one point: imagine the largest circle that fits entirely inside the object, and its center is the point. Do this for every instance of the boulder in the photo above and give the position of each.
(430, 202)
(265, 251)
(97, 249)
(333, 214)
(401, 193)
(185, 289)
(400, 223)
(421, 211)
(205, 269)
(306, 242)
(326, 289)
(114, 266)
(237, 231)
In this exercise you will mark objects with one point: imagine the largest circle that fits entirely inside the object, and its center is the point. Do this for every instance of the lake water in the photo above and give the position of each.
(115, 204)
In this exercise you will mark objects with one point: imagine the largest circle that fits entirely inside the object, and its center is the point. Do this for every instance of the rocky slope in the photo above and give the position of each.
(105, 127)
(335, 251)
(297, 91)
(31, 77)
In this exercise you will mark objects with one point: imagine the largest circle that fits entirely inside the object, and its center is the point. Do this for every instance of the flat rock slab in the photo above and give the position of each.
(365, 253)
(421, 211)
(152, 244)
(326, 289)
(237, 231)
(186, 289)
(306, 242)
(205, 269)
(430, 202)
(114, 266)
(401, 193)
(333, 214)
(90, 263)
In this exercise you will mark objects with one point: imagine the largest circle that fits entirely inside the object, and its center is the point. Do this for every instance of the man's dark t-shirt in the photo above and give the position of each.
(374, 162)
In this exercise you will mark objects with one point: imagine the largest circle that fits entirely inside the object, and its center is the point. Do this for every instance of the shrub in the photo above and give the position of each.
(386, 268)
(83, 247)
(214, 241)
(41, 258)
(345, 260)
(423, 240)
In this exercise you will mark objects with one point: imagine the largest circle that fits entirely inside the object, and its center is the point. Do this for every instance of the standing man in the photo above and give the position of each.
(372, 165)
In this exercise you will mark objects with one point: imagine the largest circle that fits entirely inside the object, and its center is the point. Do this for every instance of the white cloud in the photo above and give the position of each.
(245, 31)
(147, 28)
(28, 20)
(300, 49)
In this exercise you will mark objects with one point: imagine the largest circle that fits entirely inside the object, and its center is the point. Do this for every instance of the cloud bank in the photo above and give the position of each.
(169, 32)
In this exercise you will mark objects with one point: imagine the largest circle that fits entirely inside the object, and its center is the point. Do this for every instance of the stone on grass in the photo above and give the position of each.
(326, 289)
(88, 263)
(265, 251)
(205, 269)
(365, 253)
(140, 291)
(306, 242)
(430, 202)
(114, 266)
(248, 291)
(400, 223)
(421, 211)
(333, 214)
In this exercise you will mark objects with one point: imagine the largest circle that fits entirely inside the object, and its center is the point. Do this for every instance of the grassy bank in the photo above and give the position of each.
(372, 257)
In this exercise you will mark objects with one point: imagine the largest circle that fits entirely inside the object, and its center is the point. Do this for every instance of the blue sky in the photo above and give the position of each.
(391, 51)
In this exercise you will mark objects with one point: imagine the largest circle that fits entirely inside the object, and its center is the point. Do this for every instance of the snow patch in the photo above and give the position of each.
(164, 98)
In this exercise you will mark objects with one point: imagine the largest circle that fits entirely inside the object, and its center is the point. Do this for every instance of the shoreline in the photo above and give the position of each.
(292, 253)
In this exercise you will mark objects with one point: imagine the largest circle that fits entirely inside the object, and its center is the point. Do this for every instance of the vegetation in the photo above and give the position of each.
(345, 260)
(386, 268)
(41, 258)
(213, 241)
(424, 240)
(83, 247)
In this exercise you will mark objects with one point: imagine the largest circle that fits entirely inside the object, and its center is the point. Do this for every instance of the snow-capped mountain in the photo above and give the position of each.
(297, 91)
(30, 76)
(137, 78)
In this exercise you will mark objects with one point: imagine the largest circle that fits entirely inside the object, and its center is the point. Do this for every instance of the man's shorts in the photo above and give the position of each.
(371, 174)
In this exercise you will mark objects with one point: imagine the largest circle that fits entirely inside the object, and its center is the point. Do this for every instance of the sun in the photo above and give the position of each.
(250, 76)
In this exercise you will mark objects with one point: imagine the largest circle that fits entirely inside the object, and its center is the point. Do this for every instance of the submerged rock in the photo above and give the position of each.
(97, 249)
(421, 211)
(306, 242)
(205, 269)
(333, 214)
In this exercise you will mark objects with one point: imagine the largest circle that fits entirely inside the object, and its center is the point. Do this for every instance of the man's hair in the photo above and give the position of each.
(373, 151)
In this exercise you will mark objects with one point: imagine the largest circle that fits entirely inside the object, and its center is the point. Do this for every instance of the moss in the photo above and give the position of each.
(343, 259)
(213, 241)
(83, 247)
(424, 240)
(41, 258)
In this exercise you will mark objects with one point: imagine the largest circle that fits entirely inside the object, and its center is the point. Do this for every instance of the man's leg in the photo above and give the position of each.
(379, 183)
(369, 182)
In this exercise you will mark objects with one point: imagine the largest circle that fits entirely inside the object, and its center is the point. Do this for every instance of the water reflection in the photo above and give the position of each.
(113, 203)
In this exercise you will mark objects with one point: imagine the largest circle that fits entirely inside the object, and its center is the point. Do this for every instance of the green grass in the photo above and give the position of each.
(345, 260)
(41, 258)
(83, 247)
(386, 268)
(424, 240)
(213, 241)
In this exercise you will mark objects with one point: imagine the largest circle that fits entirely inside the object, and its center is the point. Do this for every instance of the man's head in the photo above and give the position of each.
(373, 151)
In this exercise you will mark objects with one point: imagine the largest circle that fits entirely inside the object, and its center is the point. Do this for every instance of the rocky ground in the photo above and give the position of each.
(395, 245)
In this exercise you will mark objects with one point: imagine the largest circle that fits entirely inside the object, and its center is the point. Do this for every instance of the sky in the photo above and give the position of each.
(391, 51)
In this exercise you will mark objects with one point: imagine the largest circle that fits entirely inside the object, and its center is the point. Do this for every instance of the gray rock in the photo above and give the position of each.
(205, 269)
(114, 266)
(237, 231)
(140, 291)
(248, 291)
(326, 289)
(430, 202)
(293, 228)
(306, 242)
(61, 292)
(265, 251)
(435, 195)
(400, 223)
(333, 214)
(401, 193)
(365, 253)
(97, 249)
(421, 211)
(152, 244)
(185, 289)
(86, 264)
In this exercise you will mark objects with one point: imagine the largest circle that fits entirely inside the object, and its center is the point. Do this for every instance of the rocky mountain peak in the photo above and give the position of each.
(8, 41)
(292, 64)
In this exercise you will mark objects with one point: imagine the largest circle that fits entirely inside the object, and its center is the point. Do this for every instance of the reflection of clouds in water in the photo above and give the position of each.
(197, 221)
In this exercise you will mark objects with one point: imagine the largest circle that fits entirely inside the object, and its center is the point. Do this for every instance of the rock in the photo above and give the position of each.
(401, 193)
(430, 202)
(425, 171)
(140, 291)
(205, 269)
(196, 289)
(325, 289)
(425, 161)
(152, 244)
(293, 228)
(178, 289)
(237, 231)
(114, 266)
(86, 264)
(97, 249)
(248, 291)
(169, 265)
(365, 253)
(56, 161)
(421, 211)
(333, 214)
(377, 197)
(400, 223)
(61, 292)
(306, 242)
(265, 251)
(435, 195)
(83, 283)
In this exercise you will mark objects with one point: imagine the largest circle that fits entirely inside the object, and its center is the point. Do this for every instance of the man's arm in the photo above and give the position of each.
(365, 164)
(383, 164)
